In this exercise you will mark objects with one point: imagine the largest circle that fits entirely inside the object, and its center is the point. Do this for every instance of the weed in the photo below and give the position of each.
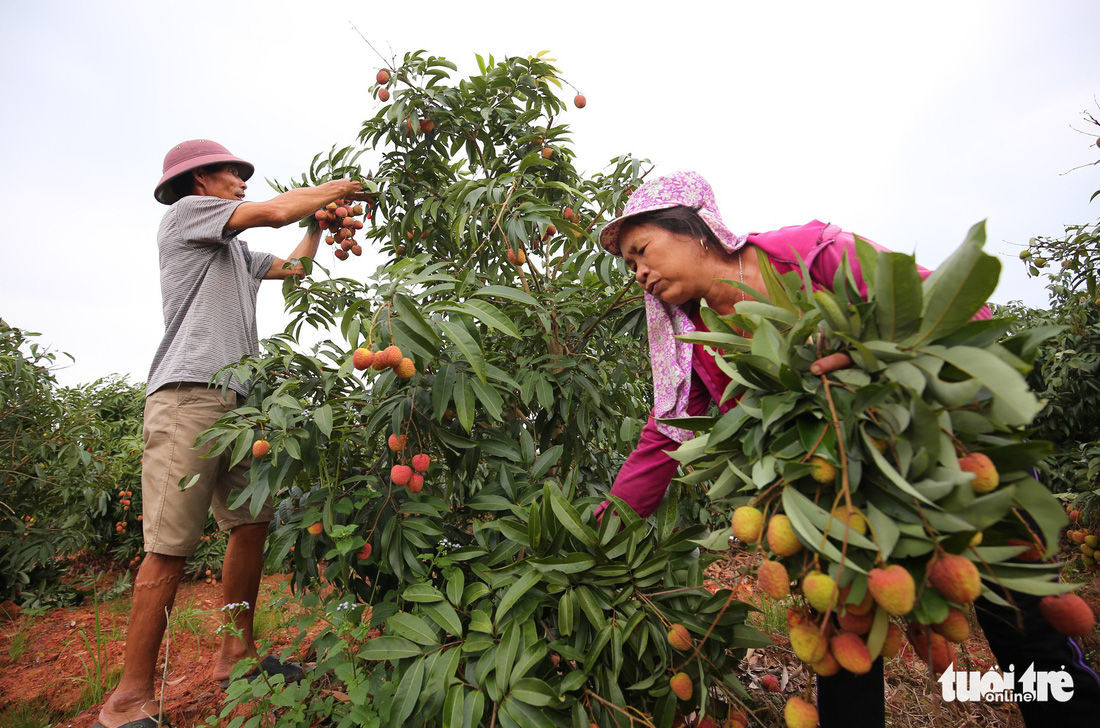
(20, 640)
(772, 617)
(28, 715)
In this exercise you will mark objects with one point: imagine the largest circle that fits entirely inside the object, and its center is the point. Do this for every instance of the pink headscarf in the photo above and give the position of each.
(671, 358)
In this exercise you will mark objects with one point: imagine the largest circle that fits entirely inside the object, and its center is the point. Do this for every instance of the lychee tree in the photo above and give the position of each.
(439, 515)
(880, 453)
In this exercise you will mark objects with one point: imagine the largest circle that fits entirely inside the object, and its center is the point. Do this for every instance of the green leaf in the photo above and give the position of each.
(515, 593)
(546, 461)
(467, 344)
(445, 616)
(1013, 402)
(408, 312)
(487, 313)
(323, 417)
(898, 296)
(958, 288)
(389, 647)
(422, 593)
(511, 294)
(411, 627)
(407, 693)
(533, 691)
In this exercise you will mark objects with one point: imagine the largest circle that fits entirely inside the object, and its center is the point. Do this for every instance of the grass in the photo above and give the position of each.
(20, 640)
(190, 619)
(772, 617)
(266, 619)
(28, 715)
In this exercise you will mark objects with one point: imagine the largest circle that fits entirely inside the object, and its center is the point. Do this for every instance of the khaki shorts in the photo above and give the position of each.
(173, 520)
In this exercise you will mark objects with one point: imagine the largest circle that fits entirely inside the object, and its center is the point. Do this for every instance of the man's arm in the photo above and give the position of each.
(306, 249)
(292, 205)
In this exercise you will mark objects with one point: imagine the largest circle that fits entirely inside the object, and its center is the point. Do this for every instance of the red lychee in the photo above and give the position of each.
(1068, 613)
(956, 578)
(893, 589)
(401, 474)
(260, 448)
(362, 358)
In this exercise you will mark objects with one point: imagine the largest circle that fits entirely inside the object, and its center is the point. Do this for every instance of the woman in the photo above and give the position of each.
(672, 237)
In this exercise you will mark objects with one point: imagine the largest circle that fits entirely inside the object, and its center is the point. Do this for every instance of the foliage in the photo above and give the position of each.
(526, 396)
(65, 457)
(928, 385)
(1067, 367)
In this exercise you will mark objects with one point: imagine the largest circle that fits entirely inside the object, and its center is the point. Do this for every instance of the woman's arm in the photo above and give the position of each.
(648, 471)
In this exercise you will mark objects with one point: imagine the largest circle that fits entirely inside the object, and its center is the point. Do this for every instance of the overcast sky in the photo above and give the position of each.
(903, 122)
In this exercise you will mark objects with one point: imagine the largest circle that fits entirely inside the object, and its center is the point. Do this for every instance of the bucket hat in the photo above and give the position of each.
(687, 189)
(190, 155)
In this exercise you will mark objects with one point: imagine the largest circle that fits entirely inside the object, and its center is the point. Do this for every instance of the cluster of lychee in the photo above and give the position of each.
(338, 219)
(833, 631)
(408, 476)
(683, 687)
(1087, 542)
(389, 358)
(28, 521)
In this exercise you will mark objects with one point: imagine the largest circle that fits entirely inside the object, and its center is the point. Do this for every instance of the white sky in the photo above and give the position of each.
(903, 122)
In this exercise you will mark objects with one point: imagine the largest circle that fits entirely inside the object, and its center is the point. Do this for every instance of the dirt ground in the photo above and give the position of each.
(49, 664)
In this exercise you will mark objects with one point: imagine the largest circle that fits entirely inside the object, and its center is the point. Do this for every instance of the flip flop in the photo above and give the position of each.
(271, 665)
(143, 723)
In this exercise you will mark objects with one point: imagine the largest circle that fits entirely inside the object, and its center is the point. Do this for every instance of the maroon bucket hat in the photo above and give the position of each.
(190, 155)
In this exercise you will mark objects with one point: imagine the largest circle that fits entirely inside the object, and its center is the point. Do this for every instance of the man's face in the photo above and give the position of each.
(223, 181)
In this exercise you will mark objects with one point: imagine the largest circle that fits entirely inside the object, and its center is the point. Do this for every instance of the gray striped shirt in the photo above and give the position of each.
(208, 282)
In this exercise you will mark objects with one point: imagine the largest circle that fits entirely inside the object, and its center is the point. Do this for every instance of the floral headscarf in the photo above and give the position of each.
(671, 358)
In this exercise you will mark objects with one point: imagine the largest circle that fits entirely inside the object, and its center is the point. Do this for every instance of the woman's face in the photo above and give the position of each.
(665, 264)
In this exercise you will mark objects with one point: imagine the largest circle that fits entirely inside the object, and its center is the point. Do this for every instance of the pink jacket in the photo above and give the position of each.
(648, 471)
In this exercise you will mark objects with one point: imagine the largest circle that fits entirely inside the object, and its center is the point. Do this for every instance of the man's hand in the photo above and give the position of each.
(292, 205)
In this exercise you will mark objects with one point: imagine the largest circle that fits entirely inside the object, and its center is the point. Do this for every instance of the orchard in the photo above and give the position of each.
(436, 459)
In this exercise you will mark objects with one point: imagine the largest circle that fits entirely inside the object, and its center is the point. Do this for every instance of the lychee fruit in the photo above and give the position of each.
(416, 483)
(748, 524)
(315, 529)
(773, 579)
(580, 101)
(891, 645)
(547, 152)
(956, 578)
(364, 553)
(679, 637)
(986, 477)
(383, 95)
(426, 126)
(781, 537)
(401, 474)
(863, 606)
(397, 442)
(827, 665)
(382, 77)
(823, 471)
(568, 215)
(405, 368)
(387, 358)
(893, 589)
(341, 254)
(420, 462)
(681, 685)
(1068, 613)
(853, 518)
(770, 683)
(808, 642)
(955, 627)
(799, 714)
(930, 647)
(856, 623)
(851, 652)
(1031, 555)
(362, 358)
(260, 448)
(820, 591)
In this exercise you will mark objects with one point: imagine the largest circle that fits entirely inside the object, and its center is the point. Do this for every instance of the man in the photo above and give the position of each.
(209, 282)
